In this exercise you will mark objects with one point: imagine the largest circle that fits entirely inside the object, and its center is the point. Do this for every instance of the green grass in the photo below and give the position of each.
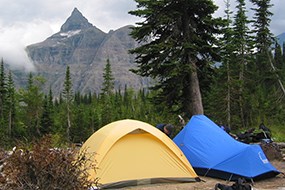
(278, 133)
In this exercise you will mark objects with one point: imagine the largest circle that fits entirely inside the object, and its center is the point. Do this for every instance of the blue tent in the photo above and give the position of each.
(213, 152)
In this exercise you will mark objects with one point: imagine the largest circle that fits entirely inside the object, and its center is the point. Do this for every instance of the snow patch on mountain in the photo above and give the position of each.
(69, 33)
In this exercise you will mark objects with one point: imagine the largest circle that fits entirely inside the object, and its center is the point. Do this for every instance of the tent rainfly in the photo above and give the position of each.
(213, 152)
(130, 152)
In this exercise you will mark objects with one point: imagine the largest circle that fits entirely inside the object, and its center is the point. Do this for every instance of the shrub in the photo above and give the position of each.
(46, 168)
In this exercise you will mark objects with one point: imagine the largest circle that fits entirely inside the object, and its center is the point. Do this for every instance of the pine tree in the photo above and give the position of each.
(218, 98)
(107, 94)
(67, 98)
(11, 104)
(266, 76)
(31, 105)
(264, 37)
(118, 105)
(46, 120)
(108, 80)
(227, 54)
(2, 92)
(178, 41)
(278, 56)
(243, 47)
(50, 99)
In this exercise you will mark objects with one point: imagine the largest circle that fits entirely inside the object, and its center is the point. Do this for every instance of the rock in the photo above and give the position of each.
(272, 151)
(85, 48)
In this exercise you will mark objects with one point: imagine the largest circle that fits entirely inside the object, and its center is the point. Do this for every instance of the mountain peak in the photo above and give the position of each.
(76, 21)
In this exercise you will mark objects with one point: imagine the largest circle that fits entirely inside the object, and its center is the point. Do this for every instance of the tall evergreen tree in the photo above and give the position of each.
(46, 120)
(264, 37)
(108, 80)
(68, 98)
(227, 53)
(50, 99)
(243, 47)
(107, 94)
(31, 105)
(128, 101)
(11, 104)
(178, 40)
(118, 105)
(218, 99)
(2, 91)
(266, 76)
(278, 56)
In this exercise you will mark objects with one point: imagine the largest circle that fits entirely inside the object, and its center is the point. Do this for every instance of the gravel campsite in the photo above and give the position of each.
(274, 153)
(207, 183)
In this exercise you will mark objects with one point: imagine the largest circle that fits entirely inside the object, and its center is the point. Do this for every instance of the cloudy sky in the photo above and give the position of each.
(24, 22)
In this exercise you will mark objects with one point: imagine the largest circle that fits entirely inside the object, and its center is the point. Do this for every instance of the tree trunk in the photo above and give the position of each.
(241, 104)
(196, 98)
(228, 96)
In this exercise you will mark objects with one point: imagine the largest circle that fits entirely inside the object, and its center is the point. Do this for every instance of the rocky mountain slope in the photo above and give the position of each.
(85, 49)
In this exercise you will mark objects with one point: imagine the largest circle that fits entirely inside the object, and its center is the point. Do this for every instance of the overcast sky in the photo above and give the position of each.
(24, 22)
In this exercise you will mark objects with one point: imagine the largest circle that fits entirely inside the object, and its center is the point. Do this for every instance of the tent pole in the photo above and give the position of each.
(231, 177)
(207, 172)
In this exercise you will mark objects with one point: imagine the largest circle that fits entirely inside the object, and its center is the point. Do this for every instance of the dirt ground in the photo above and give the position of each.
(273, 152)
(276, 183)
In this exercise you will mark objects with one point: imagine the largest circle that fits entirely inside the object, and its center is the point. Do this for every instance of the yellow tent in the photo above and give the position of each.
(130, 152)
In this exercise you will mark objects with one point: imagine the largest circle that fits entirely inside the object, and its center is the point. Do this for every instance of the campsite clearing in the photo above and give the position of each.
(276, 183)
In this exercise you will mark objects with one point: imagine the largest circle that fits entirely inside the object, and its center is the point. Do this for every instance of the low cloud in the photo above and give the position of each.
(22, 25)
(14, 39)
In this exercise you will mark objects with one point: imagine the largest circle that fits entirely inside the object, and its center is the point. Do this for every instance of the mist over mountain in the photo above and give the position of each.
(85, 49)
